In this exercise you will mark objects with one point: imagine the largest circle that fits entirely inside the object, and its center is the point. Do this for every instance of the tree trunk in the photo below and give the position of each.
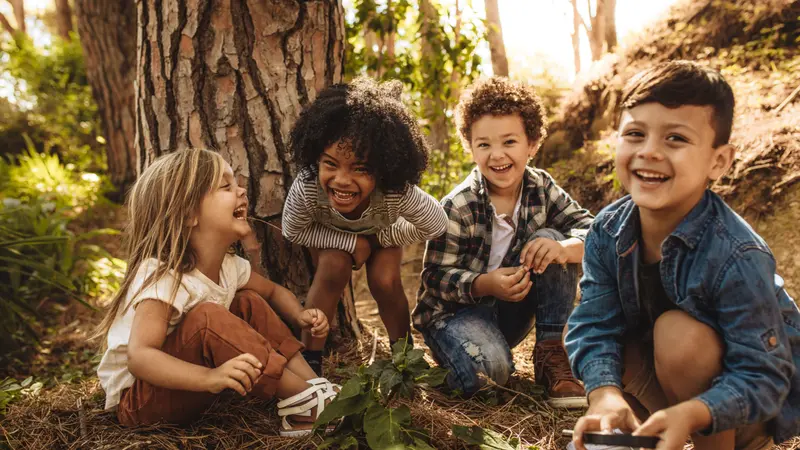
(576, 36)
(496, 45)
(611, 25)
(18, 6)
(433, 107)
(597, 33)
(64, 19)
(233, 75)
(108, 37)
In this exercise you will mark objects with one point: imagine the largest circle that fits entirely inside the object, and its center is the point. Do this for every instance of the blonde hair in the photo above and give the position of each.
(161, 205)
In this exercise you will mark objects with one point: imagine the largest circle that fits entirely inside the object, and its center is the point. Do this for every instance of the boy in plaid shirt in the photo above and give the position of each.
(509, 258)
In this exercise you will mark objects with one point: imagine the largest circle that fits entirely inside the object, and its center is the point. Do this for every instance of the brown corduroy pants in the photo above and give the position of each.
(210, 335)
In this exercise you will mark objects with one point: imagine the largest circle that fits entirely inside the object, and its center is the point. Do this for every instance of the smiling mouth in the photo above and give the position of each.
(650, 177)
(342, 196)
(501, 169)
(240, 213)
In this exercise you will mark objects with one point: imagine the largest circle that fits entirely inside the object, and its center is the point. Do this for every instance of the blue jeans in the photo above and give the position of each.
(478, 339)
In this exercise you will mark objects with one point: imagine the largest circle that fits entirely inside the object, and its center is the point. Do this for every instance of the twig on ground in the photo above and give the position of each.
(374, 346)
(788, 99)
(82, 418)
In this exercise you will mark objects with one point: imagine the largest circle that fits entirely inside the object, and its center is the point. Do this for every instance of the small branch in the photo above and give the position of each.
(788, 99)
(6, 24)
(374, 346)
(490, 382)
(82, 419)
(785, 183)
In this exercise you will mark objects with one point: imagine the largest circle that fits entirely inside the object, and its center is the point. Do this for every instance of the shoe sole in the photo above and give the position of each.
(568, 402)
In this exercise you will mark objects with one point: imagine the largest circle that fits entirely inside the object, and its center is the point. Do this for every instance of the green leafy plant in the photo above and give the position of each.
(365, 408)
(41, 257)
(11, 390)
(53, 101)
(487, 439)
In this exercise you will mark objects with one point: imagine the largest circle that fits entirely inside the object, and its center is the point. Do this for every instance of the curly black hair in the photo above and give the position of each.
(498, 96)
(370, 119)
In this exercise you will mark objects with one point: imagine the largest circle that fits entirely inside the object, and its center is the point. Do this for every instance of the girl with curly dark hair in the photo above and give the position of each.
(359, 154)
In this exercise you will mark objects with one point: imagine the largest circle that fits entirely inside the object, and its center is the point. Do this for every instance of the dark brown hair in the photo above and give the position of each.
(497, 96)
(678, 83)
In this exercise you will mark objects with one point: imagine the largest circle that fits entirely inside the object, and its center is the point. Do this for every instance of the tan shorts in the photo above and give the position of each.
(645, 387)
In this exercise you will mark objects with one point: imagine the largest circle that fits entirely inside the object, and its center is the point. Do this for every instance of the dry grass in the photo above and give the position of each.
(53, 419)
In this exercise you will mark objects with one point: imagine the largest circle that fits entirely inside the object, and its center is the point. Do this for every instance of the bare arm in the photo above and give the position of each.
(279, 298)
(146, 360)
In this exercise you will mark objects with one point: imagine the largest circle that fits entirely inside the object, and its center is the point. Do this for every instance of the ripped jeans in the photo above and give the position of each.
(478, 339)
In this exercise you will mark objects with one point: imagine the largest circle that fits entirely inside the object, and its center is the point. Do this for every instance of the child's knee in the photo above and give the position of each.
(470, 378)
(384, 282)
(684, 346)
(207, 315)
(247, 298)
(333, 267)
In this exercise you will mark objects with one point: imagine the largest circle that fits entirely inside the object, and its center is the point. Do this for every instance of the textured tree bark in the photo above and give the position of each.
(108, 37)
(576, 36)
(496, 45)
(233, 75)
(63, 18)
(611, 25)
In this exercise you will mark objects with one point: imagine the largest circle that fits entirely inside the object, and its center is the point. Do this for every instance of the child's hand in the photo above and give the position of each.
(363, 250)
(316, 320)
(607, 410)
(675, 424)
(239, 373)
(541, 252)
(510, 284)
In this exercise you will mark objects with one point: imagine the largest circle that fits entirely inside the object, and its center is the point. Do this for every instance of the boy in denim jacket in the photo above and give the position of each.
(509, 258)
(682, 312)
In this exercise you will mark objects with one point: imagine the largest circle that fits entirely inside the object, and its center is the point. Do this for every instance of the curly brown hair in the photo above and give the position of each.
(498, 96)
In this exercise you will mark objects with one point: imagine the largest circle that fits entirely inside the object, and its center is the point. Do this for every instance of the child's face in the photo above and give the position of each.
(345, 179)
(223, 211)
(501, 149)
(665, 156)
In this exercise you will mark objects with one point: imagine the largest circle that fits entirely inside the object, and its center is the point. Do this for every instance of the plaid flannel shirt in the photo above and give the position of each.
(453, 260)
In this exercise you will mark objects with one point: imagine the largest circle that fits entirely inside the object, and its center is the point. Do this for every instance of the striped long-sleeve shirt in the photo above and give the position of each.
(397, 218)
(453, 260)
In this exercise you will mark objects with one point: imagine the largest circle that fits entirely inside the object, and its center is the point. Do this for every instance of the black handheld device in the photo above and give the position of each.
(621, 440)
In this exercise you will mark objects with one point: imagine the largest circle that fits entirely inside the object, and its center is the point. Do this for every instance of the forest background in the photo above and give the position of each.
(91, 91)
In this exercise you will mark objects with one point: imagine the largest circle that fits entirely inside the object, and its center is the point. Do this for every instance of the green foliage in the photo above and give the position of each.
(10, 390)
(53, 102)
(33, 175)
(40, 256)
(435, 60)
(364, 409)
(486, 439)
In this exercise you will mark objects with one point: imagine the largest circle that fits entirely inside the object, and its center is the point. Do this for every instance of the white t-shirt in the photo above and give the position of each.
(195, 288)
(503, 230)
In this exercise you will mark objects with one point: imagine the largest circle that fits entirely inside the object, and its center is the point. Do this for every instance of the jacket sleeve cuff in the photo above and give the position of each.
(465, 286)
(578, 233)
(601, 373)
(728, 409)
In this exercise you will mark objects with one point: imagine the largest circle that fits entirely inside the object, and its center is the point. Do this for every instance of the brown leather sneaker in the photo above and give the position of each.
(552, 371)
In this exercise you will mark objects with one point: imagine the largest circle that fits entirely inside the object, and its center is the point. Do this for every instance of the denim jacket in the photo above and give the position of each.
(717, 269)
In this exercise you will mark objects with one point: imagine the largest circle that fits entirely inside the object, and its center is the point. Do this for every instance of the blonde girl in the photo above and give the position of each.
(190, 319)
